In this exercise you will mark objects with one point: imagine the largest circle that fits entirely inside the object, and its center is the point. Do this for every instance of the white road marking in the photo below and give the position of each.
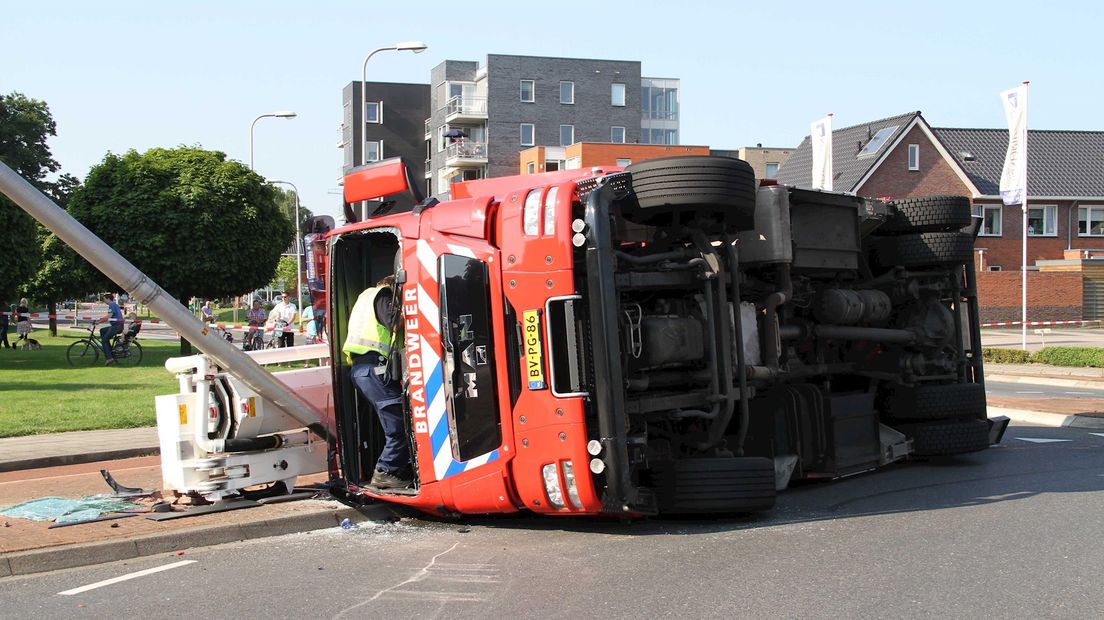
(128, 577)
(1085, 393)
(1041, 440)
(1029, 392)
(1097, 434)
(418, 576)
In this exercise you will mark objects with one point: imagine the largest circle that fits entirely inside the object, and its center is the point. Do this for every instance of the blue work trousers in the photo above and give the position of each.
(386, 398)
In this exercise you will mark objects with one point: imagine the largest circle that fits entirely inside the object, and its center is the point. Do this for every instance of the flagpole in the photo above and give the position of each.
(1023, 267)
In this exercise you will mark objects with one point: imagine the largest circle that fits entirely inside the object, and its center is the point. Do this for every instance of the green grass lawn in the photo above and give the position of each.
(41, 393)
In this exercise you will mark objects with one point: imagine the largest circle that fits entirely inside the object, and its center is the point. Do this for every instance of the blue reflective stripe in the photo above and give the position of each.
(454, 468)
(493, 456)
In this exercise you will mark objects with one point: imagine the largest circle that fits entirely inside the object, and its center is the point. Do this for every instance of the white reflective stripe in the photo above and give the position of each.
(460, 250)
(429, 308)
(477, 461)
(427, 258)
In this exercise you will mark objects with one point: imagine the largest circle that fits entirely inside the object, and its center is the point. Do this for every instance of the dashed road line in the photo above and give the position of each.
(127, 577)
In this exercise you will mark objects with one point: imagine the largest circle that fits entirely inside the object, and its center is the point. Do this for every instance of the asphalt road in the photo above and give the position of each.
(1010, 532)
(1035, 391)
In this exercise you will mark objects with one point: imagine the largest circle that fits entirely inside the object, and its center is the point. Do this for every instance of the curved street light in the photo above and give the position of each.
(298, 253)
(288, 114)
(403, 46)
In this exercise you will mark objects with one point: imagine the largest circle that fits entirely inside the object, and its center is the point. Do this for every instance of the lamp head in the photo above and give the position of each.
(414, 46)
(285, 114)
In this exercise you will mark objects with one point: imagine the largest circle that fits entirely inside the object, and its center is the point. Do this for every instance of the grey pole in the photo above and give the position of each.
(298, 253)
(141, 287)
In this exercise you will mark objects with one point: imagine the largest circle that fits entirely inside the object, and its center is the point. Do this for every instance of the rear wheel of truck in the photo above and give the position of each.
(947, 437)
(673, 190)
(924, 249)
(927, 214)
(714, 485)
(936, 402)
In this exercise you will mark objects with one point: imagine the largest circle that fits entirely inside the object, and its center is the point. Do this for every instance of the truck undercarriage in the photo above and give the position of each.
(734, 339)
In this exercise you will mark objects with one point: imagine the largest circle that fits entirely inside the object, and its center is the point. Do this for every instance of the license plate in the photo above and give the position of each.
(534, 359)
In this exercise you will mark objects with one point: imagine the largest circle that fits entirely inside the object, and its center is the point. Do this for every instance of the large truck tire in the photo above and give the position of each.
(925, 249)
(714, 485)
(928, 214)
(948, 437)
(673, 189)
(936, 402)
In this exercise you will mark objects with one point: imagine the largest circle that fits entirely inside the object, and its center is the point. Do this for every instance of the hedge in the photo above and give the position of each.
(1055, 356)
(1070, 356)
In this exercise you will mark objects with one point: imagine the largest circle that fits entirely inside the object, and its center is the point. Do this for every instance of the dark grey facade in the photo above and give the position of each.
(486, 103)
(402, 110)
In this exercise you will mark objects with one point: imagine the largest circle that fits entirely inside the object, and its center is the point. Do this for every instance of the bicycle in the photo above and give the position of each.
(253, 340)
(86, 351)
(274, 341)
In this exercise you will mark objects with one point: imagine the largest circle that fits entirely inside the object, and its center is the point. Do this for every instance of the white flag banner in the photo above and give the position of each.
(821, 136)
(1013, 181)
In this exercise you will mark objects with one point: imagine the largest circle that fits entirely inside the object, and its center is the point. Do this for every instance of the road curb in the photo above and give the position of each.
(1096, 384)
(58, 460)
(1044, 418)
(73, 556)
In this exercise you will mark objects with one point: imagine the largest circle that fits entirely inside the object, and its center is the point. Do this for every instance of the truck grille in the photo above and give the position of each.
(569, 361)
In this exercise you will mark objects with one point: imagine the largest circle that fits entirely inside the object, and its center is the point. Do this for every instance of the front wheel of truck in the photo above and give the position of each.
(947, 437)
(674, 190)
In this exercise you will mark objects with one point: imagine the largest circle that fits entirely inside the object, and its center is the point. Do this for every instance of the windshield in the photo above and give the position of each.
(469, 356)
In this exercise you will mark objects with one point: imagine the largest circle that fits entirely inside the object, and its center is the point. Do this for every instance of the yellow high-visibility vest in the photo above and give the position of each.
(366, 332)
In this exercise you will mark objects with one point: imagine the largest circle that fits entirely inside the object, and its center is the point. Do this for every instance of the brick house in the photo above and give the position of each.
(904, 156)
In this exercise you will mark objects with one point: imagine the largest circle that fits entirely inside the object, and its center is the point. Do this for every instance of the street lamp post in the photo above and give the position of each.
(412, 46)
(282, 114)
(298, 252)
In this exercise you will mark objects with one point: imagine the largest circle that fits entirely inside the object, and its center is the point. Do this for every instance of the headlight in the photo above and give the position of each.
(550, 211)
(531, 213)
(552, 485)
(572, 489)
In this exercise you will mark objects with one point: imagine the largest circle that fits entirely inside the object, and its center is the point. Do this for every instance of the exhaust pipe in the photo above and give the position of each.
(140, 286)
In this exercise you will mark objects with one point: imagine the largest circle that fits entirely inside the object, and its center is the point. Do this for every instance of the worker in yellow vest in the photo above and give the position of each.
(369, 343)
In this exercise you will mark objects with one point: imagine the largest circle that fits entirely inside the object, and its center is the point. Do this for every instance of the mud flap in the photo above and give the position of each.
(997, 426)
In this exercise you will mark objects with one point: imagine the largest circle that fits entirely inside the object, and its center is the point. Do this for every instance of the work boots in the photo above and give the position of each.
(384, 480)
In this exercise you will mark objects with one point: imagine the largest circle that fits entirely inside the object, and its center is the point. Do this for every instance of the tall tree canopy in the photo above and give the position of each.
(25, 125)
(197, 224)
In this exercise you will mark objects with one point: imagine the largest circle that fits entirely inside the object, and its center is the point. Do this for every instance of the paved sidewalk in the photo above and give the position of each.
(54, 449)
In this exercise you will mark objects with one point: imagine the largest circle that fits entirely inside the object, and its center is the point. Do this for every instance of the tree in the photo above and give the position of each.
(286, 200)
(25, 125)
(197, 224)
(284, 278)
(61, 273)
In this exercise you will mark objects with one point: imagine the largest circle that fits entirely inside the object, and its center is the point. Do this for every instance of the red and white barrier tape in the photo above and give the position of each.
(1014, 323)
(70, 317)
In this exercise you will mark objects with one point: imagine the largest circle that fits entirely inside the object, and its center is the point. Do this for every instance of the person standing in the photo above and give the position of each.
(312, 327)
(22, 321)
(256, 321)
(285, 312)
(4, 327)
(207, 312)
(367, 349)
(114, 320)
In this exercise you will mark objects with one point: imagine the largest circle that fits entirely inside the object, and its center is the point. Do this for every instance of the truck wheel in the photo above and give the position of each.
(671, 189)
(928, 214)
(935, 402)
(714, 485)
(924, 249)
(946, 438)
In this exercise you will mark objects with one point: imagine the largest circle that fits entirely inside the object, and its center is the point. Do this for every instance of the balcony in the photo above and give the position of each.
(462, 109)
(466, 153)
(428, 168)
(428, 129)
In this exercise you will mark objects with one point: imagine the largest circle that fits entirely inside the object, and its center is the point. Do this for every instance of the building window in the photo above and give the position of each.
(1090, 221)
(527, 131)
(623, 162)
(442, 141)
(617, 135)
(567, 92)
(373, 112)
(991, 221)
(373, 150)
(552, 165)
(1042, 221)
(994, 268)
(567, 135)
(530, 168)
(877, 141)
(528, 91)
(771, 170)
(914, 156)
(659, 136)
(617, 94)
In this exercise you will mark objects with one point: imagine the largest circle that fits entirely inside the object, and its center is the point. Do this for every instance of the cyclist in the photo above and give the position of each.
(208, 313)
(114, 318)
(284, 312)
(256, 320)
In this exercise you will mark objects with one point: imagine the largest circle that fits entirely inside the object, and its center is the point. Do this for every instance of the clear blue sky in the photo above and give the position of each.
(136, 75)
